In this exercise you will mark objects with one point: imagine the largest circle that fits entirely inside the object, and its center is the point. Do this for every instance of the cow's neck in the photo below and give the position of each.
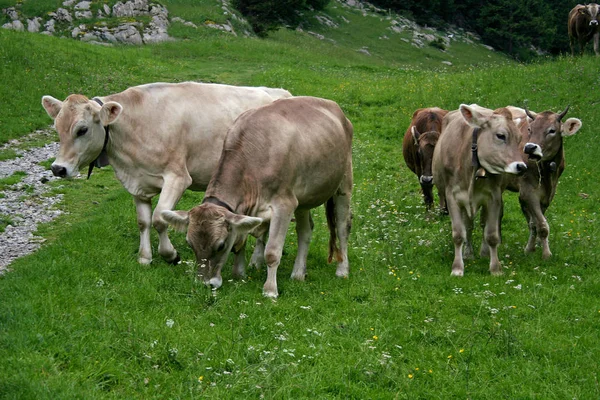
(238, 190)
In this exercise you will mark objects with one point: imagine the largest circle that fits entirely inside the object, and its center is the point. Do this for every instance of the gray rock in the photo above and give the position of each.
(83, 15)
(12, 13)
(128, 33)
(62, 15)
(49, 25)
(34, 25)
(68, 3)
(15, 25)
(83, 6)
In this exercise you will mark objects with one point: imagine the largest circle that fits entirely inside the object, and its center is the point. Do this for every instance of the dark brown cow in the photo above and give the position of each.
(418, 145)
(538, 185)
(584, 26)
(278, 161)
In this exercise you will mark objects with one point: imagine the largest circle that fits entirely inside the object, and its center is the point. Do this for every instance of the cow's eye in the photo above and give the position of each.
(551, 131)
(501, 136)
(82, 131)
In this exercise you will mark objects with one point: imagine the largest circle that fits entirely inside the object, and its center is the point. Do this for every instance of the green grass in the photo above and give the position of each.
(81, 319)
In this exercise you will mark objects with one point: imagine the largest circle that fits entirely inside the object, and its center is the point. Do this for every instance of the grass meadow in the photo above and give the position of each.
(80, 318)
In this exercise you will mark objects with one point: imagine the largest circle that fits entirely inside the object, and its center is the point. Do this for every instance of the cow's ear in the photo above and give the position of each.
(52, 106)
(415, 134)
(110, 112)
(472, 116)
(570, 127)
(243, 224)
(177, 219)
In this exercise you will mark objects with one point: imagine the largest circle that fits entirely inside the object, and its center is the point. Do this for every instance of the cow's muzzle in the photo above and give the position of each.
(534, 151)
(426, 180)
(59, 170)
(594, 22)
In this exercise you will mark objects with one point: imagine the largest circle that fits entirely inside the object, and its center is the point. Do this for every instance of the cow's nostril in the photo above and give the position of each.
(59, 170)
(521, 168)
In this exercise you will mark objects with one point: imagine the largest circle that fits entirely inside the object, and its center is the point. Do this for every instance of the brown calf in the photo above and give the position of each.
(278, 161)
(537, 186)
(418, 145)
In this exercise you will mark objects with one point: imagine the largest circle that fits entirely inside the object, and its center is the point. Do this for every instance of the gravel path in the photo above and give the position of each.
(26, 204)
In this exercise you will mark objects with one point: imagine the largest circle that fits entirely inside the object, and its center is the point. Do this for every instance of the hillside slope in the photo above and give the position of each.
(356, 25)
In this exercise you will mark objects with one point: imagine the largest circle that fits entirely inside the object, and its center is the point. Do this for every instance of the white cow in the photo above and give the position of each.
(160, 138)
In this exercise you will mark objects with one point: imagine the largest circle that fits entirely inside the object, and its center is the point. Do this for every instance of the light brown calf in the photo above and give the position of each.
(278, 161)
(473, 139)
(537, 186)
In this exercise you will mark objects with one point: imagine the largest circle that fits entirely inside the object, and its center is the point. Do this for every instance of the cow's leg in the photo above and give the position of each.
(427, 195)
(304, 229)
(143, 208)
(459, 234)
(491, 233)
(484, 251)
(280, 222)
(468, 253)
(170, 194)
(343, 216)
(539, 225)
(596, 39)
(525, 209)
(239, 263)
(258, 256)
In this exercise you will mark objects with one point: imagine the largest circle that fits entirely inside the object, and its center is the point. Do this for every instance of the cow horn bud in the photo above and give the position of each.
(562, 114)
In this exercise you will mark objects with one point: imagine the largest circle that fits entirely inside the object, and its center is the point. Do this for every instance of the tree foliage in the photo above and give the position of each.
(513, 26)
(268, 15)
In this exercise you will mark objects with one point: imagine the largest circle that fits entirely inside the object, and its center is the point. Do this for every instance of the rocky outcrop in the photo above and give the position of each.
(72, 17)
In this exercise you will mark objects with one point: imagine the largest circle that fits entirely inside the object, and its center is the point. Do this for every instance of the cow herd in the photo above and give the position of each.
(265, 157)
(479, 153)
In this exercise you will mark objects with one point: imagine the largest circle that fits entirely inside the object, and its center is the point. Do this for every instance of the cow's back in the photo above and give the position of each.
(299, 145)
(166, 127)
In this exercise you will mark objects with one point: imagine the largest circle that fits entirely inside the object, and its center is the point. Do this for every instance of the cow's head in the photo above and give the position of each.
(590, 11)
(498, 139)
(80, 125)
(547, 130)
(425, 144)
(212, 231)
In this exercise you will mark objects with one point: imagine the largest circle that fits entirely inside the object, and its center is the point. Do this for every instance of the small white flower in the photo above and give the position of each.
(305, 307)
(170, 323)
(518, 287)
(243, 316)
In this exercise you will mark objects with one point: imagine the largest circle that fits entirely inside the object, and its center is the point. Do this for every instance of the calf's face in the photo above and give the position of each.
(212, 231)
(547, 130)
(498, 144)
(425, 143)
(80, 126)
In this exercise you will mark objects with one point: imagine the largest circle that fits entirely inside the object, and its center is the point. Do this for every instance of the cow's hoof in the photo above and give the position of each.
(457, 272)
(546, 256)
(497, 272)
(298, 276)
(144, 260)
(175, 260)
(270, 295)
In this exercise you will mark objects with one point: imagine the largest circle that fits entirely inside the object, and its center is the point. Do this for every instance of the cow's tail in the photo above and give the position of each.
(334, 251)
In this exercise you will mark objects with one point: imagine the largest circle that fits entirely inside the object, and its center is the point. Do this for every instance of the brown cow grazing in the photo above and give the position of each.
(538, 185)
(418, 144)
(584, 26)
(278, 161)
(476, 139)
